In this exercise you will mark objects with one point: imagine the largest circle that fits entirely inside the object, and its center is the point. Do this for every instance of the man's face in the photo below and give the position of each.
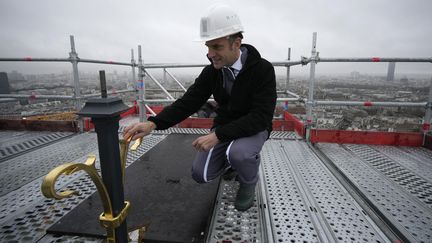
(222, 53)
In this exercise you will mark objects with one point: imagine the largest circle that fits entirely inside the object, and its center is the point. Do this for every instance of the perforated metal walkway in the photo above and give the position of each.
(300, 198)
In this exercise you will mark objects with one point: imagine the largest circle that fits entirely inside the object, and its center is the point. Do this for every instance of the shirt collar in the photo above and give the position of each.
(238, 64)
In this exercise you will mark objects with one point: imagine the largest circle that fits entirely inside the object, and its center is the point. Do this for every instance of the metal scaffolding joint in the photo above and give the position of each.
(304, 60)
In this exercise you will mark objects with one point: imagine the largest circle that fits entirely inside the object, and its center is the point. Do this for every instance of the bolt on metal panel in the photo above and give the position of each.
(37, 215)
(410, 216)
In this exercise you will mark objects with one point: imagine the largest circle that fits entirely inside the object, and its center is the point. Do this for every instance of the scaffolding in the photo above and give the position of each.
(143, 71)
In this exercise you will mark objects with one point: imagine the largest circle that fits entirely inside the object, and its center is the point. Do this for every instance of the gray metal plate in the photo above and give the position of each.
(406, 213)
(230, 225)
(284, 135)
(307, 203)
(410, 172)
(13, 143)
(20, 170)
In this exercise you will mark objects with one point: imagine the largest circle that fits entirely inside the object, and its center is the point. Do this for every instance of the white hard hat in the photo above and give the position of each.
(219, 21)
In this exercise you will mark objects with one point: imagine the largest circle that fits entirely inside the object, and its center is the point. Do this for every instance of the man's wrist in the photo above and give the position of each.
(152, 125)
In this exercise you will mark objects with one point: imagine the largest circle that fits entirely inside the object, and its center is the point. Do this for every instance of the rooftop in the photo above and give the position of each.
(322, 192)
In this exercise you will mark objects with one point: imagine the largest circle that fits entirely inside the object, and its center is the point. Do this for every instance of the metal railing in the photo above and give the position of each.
(140, 86)
(310, 103)
(143, 72)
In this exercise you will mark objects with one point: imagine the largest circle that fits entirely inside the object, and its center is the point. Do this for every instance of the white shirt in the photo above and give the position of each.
(237, 66)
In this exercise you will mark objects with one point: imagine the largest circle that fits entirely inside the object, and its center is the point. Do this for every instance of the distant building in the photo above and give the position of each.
(355, 75)
(404, 80)
(4, 83)
(391, 71)
(14, 75)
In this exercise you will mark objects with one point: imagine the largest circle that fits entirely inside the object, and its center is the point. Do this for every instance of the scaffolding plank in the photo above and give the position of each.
(307, 203)
(14, 143)
(367, 170)
(410, 172)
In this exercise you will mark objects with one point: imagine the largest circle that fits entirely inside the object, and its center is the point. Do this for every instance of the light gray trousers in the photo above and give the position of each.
(241, 154)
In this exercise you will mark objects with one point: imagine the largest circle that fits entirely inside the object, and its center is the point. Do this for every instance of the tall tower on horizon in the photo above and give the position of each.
(4, 83)
(391, 71)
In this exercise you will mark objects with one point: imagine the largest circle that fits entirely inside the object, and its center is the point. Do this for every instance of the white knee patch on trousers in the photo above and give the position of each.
(206, 165)
(228, 151)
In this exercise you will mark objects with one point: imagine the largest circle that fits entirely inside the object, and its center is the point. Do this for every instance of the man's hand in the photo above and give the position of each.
(205, 143)
(139, 130)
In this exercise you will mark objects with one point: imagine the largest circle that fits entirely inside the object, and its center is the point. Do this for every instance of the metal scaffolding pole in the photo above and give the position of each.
(428, 114)
(133, 67)
(141, 87)
(105, 62)
(31, 59)
(73, 56)
(110, 93)
(178, 82)
(160, 85)
(374, 59)
(26, 96)
(368, 103)
(310, 101)
(167, 101)
(150, 110)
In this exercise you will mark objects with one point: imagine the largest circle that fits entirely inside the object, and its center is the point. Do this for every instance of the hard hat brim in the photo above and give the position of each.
(205, 39)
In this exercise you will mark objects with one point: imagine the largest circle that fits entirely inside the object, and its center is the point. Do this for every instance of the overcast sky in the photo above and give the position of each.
(108, 29)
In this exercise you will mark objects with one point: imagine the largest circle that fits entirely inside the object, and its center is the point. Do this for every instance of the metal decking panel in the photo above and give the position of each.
(13, 143)
(411, 173)
(368, 170)
(20, 170)
(302, 200)
(230, 225)
(307, 203)
(26, 214)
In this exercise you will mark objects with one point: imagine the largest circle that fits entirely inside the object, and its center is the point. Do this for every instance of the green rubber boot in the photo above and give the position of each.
(229, 174)
(245, 197)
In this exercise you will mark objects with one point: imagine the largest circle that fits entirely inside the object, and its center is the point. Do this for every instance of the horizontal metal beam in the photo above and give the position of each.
(31, 59)
(149, 101)
(290, 63)
(374, 59)
(59, 97)
(111, 92)
(304, 61)
(368, 103)
(173, 65)
(106, 62)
